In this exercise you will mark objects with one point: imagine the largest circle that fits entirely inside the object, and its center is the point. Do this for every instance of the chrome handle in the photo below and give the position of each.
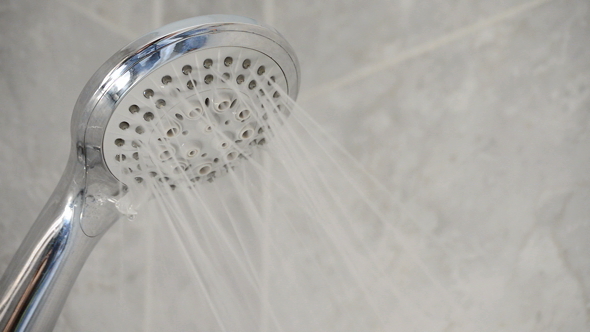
(39, 278)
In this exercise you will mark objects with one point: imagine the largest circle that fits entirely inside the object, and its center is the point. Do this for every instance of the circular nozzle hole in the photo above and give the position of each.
(133, 109)
(160, 103)
(247, 133)
(139, 130)
(187, 69)
(119, 142)
(243, 115)
(208, 63)
(228, 61)
(191, 84)
(246, 64)
(124, 125)
(232, 156)
(222, 106)
(252, 85)
(165, 155)
(208, 79)
(192, 153)
(205, 169)
(261, 70)
(240, 79)
(172, 132)
(148, 116)
(166, 79)
(148, 93)
(195, 113)
(180, 168)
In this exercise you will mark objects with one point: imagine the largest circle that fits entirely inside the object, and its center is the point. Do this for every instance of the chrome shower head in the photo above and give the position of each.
(173, 98)
(179, 88)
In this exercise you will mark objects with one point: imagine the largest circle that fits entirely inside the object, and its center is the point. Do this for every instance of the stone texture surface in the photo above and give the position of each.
(473, 113)
(374, 30)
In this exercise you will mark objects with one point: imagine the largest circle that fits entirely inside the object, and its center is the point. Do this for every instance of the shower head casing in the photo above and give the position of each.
(104, 105)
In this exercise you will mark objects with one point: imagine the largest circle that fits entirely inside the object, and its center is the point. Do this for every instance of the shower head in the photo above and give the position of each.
(184, 99)
(175, 98)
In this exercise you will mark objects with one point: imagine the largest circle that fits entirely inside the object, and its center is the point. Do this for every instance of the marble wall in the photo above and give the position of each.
(474, 113)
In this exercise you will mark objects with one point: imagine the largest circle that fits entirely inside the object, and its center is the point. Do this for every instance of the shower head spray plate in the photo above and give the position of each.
(183, 101)
(193, 117)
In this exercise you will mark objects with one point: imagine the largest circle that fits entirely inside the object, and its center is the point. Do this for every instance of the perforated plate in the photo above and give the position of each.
(193, 117)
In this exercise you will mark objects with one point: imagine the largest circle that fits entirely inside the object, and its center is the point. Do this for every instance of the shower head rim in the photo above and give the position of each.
(99, 98)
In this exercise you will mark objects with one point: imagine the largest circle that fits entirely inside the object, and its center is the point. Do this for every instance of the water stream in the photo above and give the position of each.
(293, 235)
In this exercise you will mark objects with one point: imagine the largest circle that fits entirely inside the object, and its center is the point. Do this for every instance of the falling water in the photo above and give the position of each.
(292, 234)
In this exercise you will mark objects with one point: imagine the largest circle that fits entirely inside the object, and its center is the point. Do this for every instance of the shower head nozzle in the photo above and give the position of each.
(183, 99)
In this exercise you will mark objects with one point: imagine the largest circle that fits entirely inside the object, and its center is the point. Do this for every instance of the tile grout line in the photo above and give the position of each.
(420, 50)
(157, 13)
(268, 12)
(122, 32)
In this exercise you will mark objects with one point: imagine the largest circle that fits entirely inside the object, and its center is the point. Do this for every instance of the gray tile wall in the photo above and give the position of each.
(475, 113)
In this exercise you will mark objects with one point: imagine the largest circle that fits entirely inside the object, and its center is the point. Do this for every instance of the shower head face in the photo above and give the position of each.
(185, 101)
(192, 117)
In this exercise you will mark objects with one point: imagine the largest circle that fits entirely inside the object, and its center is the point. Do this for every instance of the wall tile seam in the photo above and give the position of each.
(421, 49)
(269, 12)
(110, 26)
(157, 17)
